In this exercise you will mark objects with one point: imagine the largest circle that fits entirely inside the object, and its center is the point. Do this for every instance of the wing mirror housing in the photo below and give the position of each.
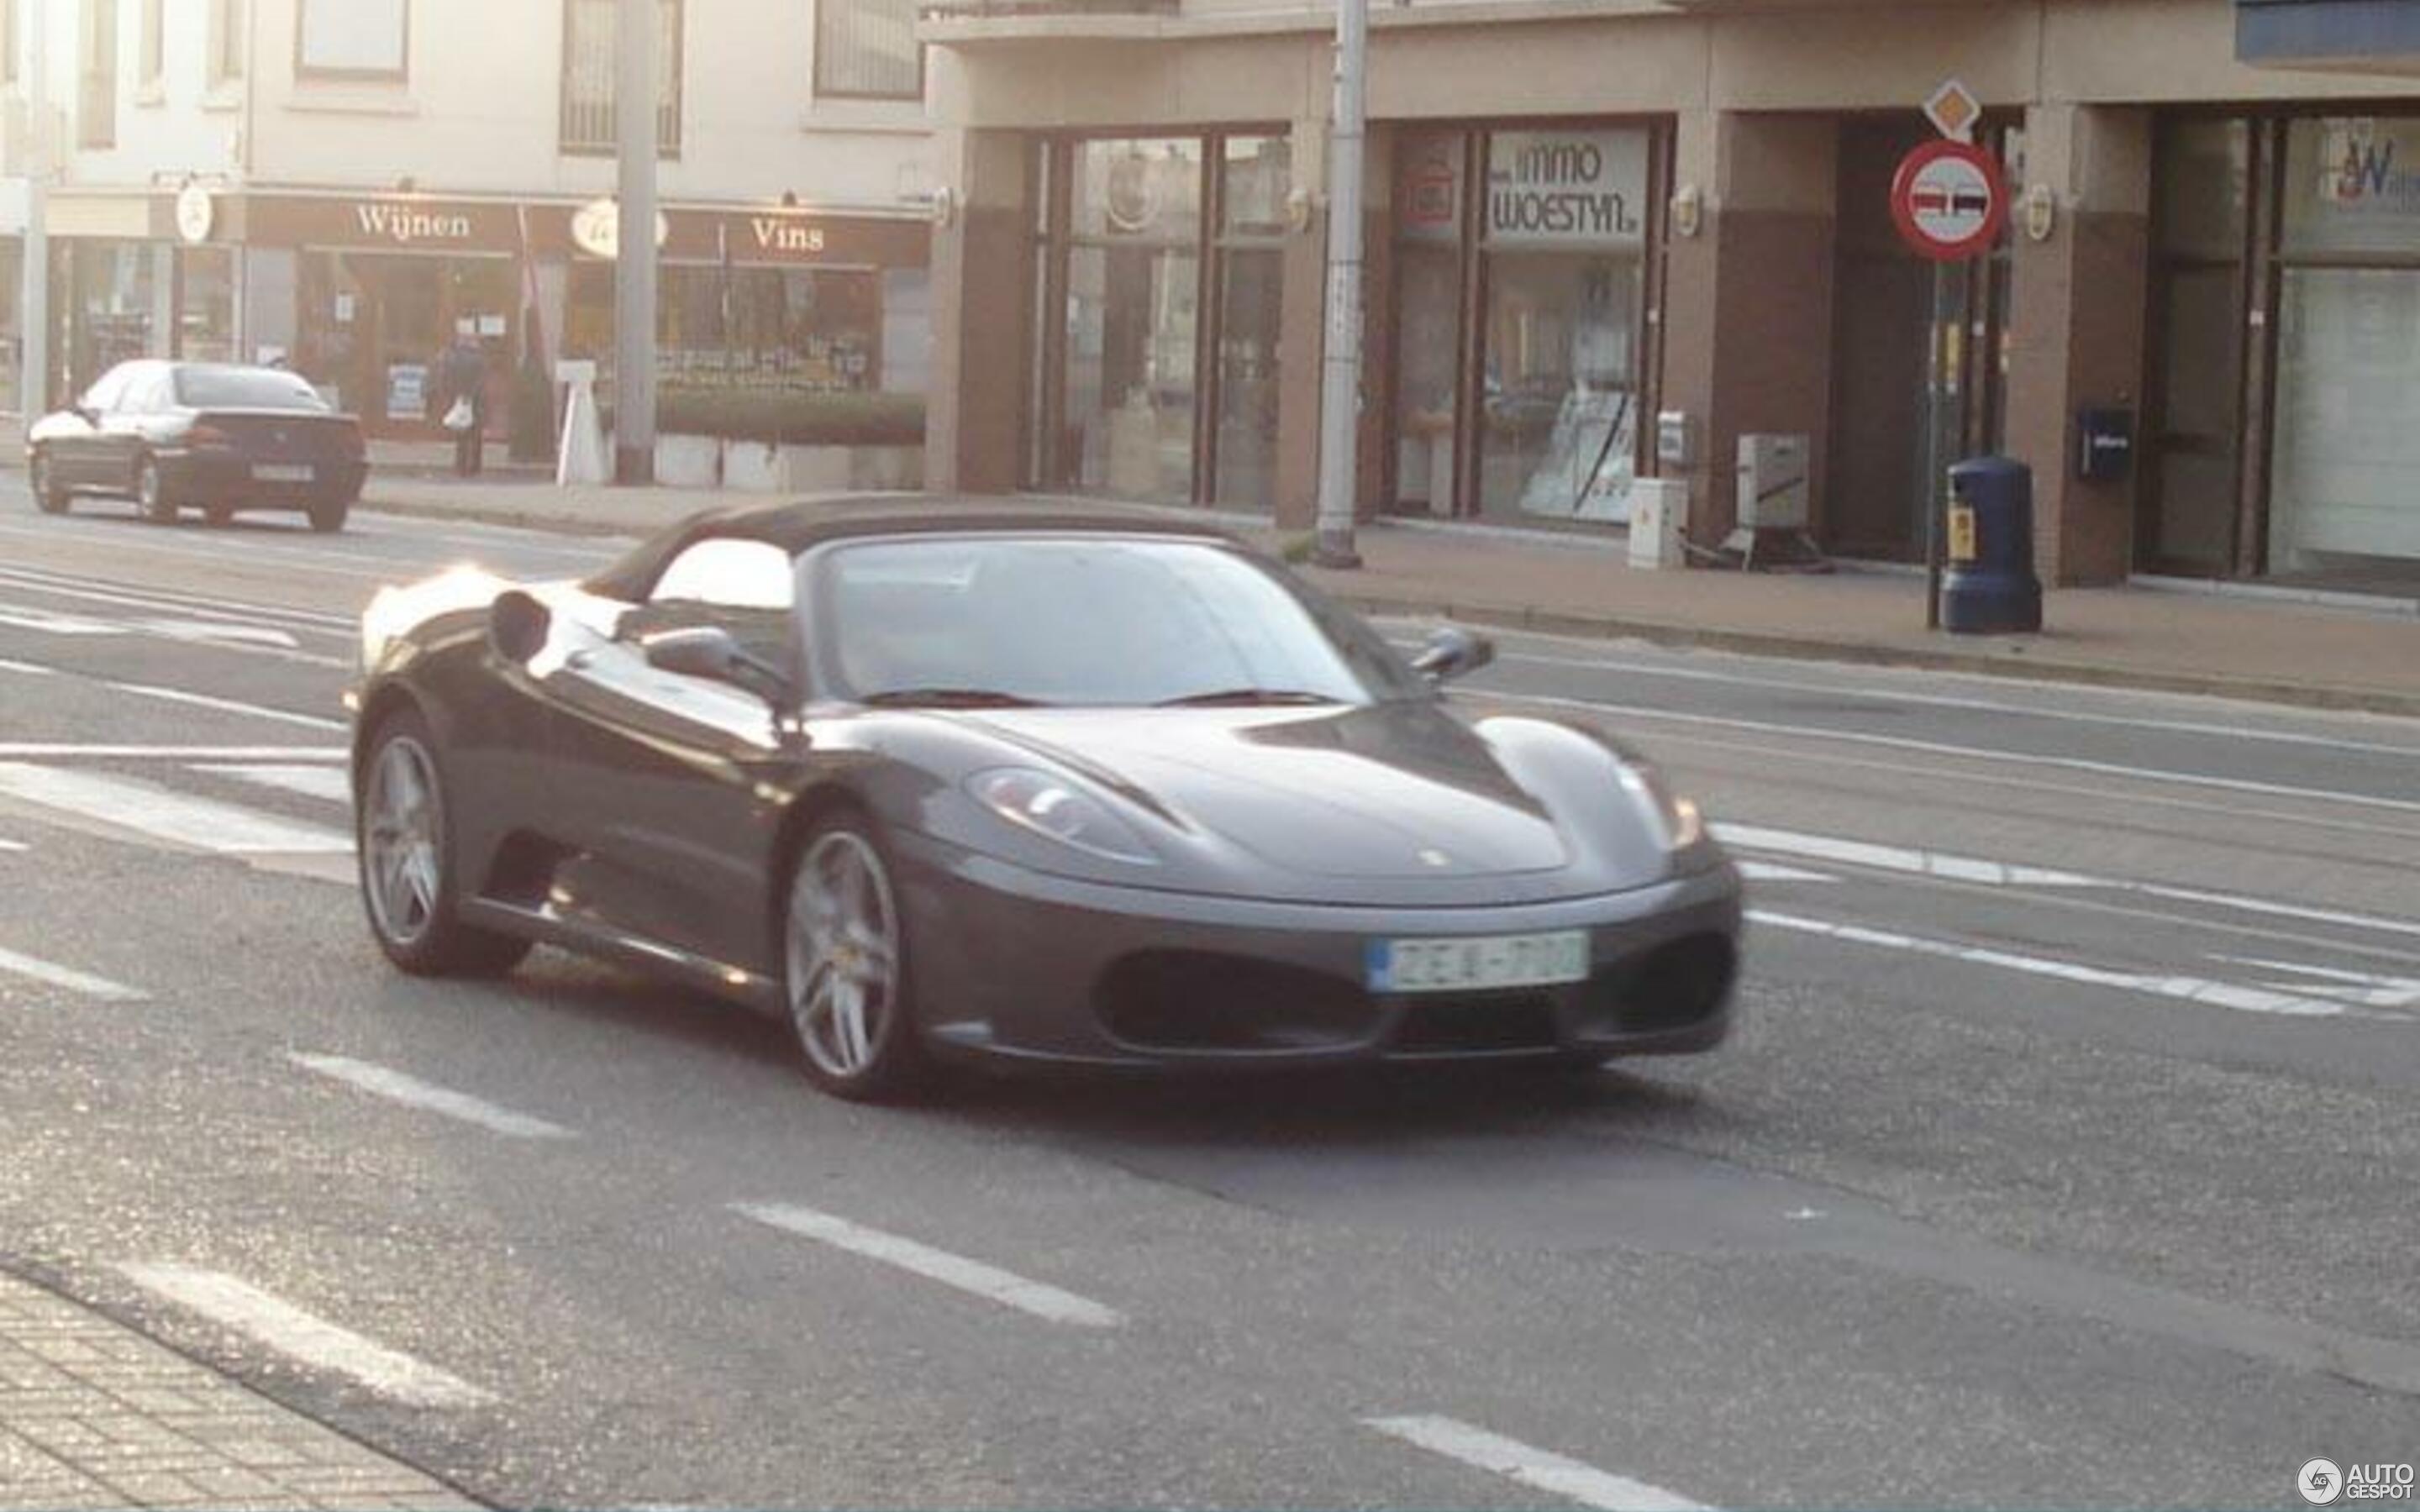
(711, 652)
(1454, 651)
(518, 626)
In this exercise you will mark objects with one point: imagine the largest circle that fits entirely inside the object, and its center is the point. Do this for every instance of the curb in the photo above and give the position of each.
(1657, 632)
(1859, 653)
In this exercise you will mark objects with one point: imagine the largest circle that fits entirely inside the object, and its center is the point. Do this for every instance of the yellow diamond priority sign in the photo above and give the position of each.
(1953, 110)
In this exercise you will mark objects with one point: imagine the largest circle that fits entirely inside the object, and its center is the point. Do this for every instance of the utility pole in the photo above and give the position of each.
(634, 261)
(1340, 394)
(34, 328)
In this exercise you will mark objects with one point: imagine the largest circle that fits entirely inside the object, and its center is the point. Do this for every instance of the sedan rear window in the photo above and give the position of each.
(244, 388)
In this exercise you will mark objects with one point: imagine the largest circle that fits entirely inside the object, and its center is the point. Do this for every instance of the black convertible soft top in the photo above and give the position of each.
(797, 526)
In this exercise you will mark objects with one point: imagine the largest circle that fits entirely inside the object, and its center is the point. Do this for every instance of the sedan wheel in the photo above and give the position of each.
(48, 496)
(151, 495)
(405, 852)
(844, 968)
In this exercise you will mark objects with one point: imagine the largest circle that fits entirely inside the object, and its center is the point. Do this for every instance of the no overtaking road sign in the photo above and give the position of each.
(1949, 201)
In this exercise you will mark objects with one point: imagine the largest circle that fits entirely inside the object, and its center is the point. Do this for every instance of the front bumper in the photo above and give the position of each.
(209, 478)
(1011, 964)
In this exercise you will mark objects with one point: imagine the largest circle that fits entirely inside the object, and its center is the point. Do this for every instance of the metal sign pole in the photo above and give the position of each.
(634, 264)
(1936, 406)
(1339, 396)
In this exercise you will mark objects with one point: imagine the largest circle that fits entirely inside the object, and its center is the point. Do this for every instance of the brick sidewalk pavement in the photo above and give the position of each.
(93, 1414)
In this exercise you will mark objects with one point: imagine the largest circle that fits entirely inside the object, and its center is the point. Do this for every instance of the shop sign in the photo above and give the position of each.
(597, 228)
(407, 391)
(2365, 169)
(378, 222)
(1587, 188)
(1429, 198)
(196, 212)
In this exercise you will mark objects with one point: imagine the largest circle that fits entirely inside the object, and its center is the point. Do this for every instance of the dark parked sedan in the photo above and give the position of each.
(931, 780)
(207, 435)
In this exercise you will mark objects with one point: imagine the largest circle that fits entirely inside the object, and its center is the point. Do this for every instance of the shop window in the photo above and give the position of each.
(591, 70)
(205, 304)
(1255, 174)
(353, 39)
(867, 50)
(1565, 235)
(225, 41)
(96, 101)
(1133, 282)
(2347, 439)
(1429, 212)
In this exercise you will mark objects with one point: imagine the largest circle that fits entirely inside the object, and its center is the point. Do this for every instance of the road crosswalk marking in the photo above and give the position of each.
(128, 803)
(329, 782)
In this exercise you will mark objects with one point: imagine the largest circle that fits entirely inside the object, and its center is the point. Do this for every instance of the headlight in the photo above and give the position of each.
(1683, 825)
(1052, 806)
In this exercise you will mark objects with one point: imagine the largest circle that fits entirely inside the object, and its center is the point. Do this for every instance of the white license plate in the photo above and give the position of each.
(1478, 964)
(281, 473)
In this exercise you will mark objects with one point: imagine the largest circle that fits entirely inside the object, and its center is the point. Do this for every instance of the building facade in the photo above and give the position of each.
(348, 186)
(1583, 215)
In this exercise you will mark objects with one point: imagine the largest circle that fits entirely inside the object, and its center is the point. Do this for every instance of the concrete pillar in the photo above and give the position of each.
(2077, 333)
(165, 305)
(1748, 307)
(974, 418)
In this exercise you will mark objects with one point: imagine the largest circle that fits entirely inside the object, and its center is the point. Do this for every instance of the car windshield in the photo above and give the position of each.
(244, 388)
(1088, 621)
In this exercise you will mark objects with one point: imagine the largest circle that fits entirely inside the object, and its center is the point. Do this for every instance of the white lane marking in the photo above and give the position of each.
(1894, 858)
(71, 979)
(1538, 1469)
(210, 632)
(205, 700)
(973, 1276)
(131, 595)
(1935, 747)
(254, 553)
(26, 617)
(2177, 988)
(400, 1087)
(11, 845)
(69, 751)
(27, 668)
(2002, 874)
(2346, 986)
(131, 803)
(1937, 700)
(1767, 872)
(329, 782)
(301, 1336)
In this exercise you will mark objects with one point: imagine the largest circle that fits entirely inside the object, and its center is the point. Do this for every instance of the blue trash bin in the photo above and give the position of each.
(1990, 588)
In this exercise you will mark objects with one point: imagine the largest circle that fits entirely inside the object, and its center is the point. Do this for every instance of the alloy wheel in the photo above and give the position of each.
(400, 842)
(844, 957)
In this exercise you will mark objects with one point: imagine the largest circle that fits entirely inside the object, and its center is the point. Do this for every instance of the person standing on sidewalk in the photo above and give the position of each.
(463, 389)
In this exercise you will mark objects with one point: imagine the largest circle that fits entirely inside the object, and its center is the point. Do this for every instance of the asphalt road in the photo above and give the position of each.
(2065, 1157)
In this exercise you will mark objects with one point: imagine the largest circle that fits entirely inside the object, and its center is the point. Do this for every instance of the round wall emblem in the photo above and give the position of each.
(197, 212)
(597, 228)
(1132, 201)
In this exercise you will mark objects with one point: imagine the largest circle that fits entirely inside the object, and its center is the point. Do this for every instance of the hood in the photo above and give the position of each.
(1381, 793)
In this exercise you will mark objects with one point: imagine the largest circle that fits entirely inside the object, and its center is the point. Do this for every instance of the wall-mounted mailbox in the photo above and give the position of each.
(2105, 445)
(1676, 440)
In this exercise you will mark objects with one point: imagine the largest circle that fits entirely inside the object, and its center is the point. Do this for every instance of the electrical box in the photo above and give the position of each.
(1773, 487)
(2105, 443)
(1659, 516)
(1676, 440)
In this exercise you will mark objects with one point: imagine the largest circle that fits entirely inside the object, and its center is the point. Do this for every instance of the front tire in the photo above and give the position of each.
(844, 966)
(48, 496)
(405, 843)
(151, 494)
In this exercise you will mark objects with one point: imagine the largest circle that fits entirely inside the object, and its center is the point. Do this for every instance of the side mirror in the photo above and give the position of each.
(711, 652)
(1452, 653)
(518, 626)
